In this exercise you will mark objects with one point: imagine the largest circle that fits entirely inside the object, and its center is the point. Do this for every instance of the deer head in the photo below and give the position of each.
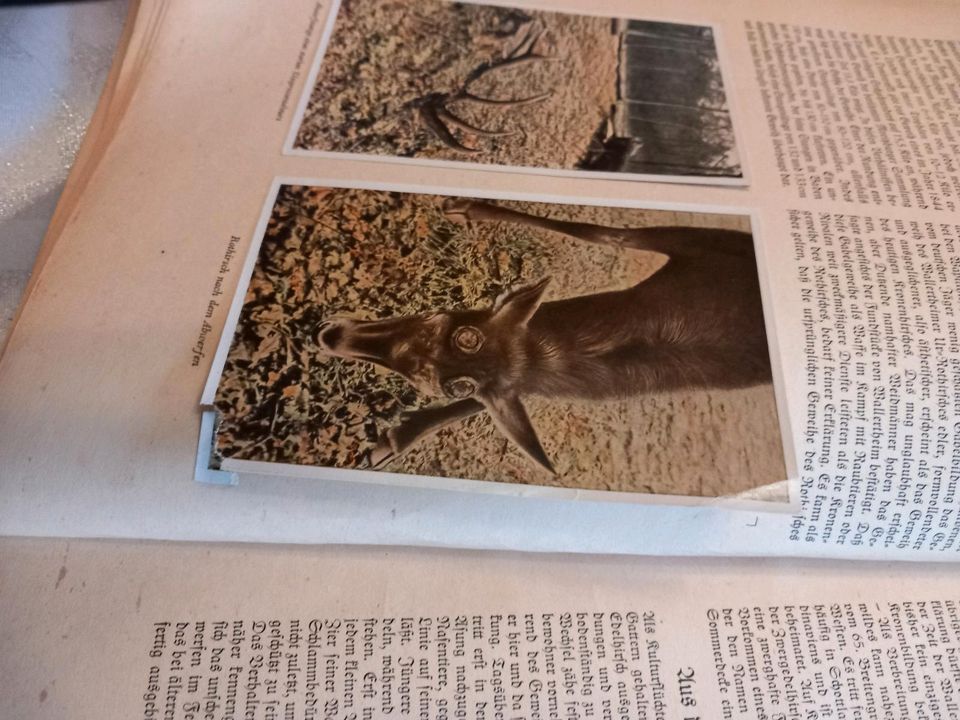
(478, 354)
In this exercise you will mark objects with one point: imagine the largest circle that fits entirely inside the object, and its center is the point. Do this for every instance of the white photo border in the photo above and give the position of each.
(791, 505)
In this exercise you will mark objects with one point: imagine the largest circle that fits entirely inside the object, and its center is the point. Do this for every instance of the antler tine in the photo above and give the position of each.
(446, 116)
(522, 54)
(525, 46)
(510, 102)
(508, 62)
(431, 113)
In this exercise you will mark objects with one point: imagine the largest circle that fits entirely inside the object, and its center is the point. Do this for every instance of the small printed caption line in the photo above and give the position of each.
(198, 351)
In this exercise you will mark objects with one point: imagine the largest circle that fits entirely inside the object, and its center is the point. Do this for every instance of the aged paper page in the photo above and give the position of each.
(101, 381)
(95, 629)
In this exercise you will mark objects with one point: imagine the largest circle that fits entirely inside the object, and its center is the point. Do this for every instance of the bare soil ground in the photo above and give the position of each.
(385, 57)
(372, 254)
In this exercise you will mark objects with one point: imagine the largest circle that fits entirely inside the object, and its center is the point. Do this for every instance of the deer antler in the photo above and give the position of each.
(439, 118)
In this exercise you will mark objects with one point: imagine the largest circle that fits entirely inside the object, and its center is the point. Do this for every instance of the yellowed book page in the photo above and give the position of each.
(102, 630)
(101, 382)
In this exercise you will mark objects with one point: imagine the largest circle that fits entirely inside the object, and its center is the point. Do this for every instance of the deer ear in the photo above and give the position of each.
(512, 420)
(518, 305)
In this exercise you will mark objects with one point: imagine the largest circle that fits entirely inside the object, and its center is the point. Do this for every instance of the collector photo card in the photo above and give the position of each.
(443, 340)
(503, 87)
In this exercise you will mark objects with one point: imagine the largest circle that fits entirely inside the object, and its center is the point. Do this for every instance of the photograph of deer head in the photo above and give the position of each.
(564, 345)
(480, 83)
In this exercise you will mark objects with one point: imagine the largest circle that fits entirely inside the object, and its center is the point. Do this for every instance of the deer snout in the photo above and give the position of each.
(371, 341)
(329, 334)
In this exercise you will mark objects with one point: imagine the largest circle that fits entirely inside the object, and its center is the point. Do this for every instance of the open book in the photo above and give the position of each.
(108, 630)
(586, 277)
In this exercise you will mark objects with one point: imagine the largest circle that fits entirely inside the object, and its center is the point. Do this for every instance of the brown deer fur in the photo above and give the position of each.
(695, 323)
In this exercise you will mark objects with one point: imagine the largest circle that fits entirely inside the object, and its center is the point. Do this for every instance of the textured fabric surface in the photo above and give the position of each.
(54, 59)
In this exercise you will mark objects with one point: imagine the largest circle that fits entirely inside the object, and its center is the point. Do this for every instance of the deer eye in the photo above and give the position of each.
(468, 339)
(460, 387)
